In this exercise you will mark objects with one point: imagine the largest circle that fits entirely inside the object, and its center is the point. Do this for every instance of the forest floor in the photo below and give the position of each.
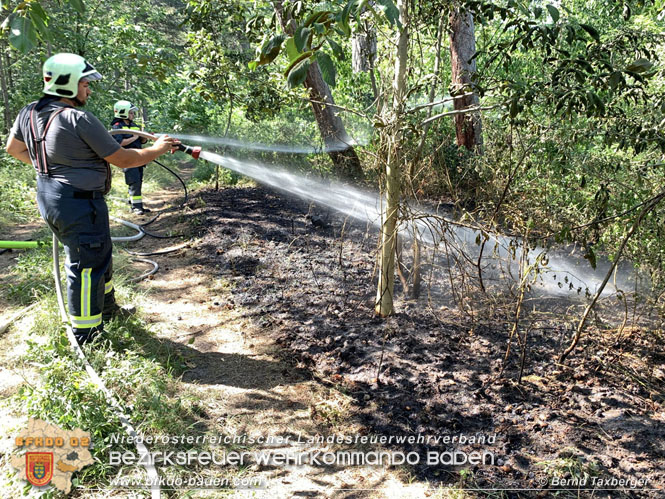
(271, 311)
(422, 372)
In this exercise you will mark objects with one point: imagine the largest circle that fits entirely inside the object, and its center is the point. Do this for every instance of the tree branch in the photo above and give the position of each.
(460, 111)
(442, 101)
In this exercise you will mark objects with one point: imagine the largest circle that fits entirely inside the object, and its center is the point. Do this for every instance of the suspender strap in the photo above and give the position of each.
(39, 140)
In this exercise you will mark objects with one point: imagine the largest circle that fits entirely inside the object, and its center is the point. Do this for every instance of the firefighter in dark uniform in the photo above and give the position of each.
(124, 114)
(71, 151)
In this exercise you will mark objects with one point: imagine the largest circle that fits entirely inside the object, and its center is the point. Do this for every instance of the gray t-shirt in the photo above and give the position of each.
(76, 143)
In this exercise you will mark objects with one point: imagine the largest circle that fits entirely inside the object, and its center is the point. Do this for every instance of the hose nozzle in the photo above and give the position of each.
(192, 151)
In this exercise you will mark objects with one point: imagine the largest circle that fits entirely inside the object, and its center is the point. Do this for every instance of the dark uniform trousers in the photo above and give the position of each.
(134, 181)
(80, 221)
(133, 176)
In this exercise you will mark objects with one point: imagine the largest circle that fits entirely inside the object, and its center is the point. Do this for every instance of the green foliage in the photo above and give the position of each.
(301, 38)
(269, 51)
(17, 202)
(315, 28)
(327, 68)
(586, 77)
(136, 367)
(65, 396)
(30, 278)
(221, 47)
(22, 34)
(40, 20)
(297, 72)
(389, 10)
(78, 6)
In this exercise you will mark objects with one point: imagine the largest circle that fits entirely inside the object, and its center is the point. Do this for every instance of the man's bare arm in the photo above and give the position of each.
(129, 158)
(18, 149)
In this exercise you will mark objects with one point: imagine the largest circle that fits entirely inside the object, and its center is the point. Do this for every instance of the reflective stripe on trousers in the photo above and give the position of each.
(134, 181)
(82, 226)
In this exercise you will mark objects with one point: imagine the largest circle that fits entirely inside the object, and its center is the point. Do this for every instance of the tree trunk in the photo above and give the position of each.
(363, 50)
(468, 127)
(385, 290)
(337, 142)
(5, 95)
(432, 94)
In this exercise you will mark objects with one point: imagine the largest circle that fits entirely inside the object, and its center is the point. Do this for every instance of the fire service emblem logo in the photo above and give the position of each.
(52, 455)
(39, 467)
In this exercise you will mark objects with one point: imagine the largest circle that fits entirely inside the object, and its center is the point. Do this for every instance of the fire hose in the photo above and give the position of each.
(193, 151)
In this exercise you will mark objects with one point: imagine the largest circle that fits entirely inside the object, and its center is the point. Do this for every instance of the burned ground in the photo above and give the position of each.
(306, 278)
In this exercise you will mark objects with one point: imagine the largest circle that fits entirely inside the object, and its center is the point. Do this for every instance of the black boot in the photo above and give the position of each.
(113, 310)
(84, 336)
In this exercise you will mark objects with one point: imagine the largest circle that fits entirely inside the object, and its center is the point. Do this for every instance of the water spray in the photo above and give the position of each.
(279, 148)
(569, 273)
(565, 274)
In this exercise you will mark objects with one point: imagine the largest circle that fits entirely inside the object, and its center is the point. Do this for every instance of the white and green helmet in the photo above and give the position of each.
(62, 73)
(122, 108)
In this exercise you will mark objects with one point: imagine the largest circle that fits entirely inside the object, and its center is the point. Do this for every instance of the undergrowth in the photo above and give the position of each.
(31, 277)
(17, 203)
(140, 371)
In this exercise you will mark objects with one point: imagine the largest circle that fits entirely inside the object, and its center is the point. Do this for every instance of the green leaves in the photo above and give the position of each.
(309, 37)
(291, 50)
(590, 255)
(40, 20)
(358, 7)
(640, 66)
(337, 49)
(390, 10)
(78, 6)
(320, 17)
(301, 37)
(343, 20)
(269, 51)
(554, 13)
(616, 79)
(297, 74)
(297, 70)
(595, 105)
(591, 30)
(327, 68)
(29, 22)
(22, 34)
(584, 64)
(514, 108)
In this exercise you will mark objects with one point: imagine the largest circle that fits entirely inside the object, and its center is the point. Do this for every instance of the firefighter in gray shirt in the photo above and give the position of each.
(71, 151)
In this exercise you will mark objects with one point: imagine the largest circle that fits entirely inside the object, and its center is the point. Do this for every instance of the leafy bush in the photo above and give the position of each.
(17, 202)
